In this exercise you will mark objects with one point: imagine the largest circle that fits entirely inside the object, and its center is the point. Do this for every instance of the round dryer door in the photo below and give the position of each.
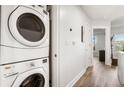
(32, 78)
(28, 26)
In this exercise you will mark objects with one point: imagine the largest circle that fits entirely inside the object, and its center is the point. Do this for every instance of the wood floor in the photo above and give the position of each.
(99, 75)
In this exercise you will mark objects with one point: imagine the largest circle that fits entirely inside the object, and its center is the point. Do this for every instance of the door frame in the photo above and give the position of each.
(107, 44)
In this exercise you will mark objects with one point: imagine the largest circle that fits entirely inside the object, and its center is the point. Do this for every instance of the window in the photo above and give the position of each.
(119, 37)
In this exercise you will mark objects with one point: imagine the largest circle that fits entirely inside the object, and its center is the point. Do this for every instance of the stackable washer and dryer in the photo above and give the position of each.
(24, 38)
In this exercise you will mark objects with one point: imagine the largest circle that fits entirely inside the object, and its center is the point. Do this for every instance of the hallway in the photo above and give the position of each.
(99, 76)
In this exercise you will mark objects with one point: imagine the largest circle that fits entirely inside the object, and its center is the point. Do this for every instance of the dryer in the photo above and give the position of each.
(24, 32)
(34, 73)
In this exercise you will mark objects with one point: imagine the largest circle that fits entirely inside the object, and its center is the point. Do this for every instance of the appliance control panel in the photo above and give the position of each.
(32, 64)
(44, 60)
(9, 70)
(44, 7)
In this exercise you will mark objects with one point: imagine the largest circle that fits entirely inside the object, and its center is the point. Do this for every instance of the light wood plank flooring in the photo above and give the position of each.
(99, 75)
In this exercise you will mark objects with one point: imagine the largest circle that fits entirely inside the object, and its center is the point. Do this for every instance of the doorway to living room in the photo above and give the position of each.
(99, 44)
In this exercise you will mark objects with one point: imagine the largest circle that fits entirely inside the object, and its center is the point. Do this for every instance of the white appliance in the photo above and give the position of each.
(34, 73)
(24, 33)
(121, 67)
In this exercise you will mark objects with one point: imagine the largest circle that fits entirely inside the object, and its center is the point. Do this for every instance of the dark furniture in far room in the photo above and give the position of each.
(102, 55)
(114, 62)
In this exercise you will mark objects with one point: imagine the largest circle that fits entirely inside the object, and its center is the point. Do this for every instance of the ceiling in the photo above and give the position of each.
(113, 13)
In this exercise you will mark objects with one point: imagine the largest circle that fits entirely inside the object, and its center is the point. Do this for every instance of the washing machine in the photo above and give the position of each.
(34, 73)
(24, 33)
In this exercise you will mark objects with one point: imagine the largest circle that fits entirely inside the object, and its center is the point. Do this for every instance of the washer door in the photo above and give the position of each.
(28, 26)
(33, 78)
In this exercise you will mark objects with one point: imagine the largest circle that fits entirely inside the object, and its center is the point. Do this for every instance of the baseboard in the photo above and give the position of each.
(72, 83)
(107, 64)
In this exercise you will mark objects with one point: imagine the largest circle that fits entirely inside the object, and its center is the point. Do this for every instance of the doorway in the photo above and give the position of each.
(99, 44)
(117, 44)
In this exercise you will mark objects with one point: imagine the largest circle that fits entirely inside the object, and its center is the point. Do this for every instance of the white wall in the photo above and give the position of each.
(117, 30)
(100, 43)
(117, 26)
(107, 26)
(73, 56)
